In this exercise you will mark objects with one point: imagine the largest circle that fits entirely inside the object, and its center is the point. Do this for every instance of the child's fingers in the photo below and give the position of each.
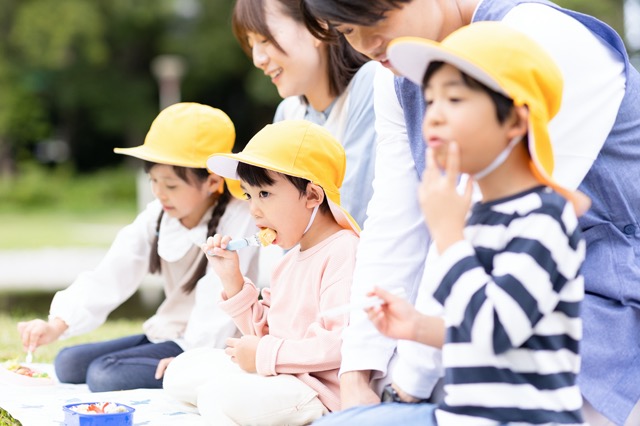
(224, 241)
(431, 171)
(452, 168)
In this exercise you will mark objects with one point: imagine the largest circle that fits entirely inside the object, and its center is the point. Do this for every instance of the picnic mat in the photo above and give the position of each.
(42, 405)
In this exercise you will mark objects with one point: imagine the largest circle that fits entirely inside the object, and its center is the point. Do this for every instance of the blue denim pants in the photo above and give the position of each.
(120, 364)
(385, 414)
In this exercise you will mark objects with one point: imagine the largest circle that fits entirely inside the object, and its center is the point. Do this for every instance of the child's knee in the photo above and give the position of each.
(68, 366)
(101, 374)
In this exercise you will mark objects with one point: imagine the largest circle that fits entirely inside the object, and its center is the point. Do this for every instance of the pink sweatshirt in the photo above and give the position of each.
(294, 339)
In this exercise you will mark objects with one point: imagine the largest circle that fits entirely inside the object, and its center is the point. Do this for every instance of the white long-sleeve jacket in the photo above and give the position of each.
(191, 320)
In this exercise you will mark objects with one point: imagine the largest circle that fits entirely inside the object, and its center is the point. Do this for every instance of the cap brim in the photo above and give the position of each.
(410, 56)
(143, 152)
(226, 165)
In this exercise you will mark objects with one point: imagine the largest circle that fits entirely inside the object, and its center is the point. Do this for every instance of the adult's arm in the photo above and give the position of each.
(394, 241)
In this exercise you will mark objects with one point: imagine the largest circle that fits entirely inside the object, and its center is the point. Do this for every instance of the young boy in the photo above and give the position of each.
(509, 281)
(284, 370)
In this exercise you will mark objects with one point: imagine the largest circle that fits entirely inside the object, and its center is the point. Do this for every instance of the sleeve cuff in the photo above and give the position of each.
(239, 303)
(267, 355)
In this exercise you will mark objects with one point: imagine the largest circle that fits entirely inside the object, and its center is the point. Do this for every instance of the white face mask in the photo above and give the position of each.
(313, 216)
(501, 158)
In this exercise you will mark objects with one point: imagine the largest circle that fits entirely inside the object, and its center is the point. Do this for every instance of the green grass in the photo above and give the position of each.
(7, 419)
(29, 230)
(11, 346)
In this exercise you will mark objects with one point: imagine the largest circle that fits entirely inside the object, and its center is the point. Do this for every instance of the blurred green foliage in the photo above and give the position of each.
(38, 188)
(79, 71)
(609, 11)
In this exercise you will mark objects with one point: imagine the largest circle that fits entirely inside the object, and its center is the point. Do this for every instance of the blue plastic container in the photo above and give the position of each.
(75, 418)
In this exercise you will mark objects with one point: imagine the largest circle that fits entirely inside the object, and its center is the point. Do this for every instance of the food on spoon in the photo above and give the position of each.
(266, 236)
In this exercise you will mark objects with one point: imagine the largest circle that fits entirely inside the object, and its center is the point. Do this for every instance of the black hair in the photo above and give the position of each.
(344, 61)
(320, 15)
(190, 176)
(503, 104)
(258, 176)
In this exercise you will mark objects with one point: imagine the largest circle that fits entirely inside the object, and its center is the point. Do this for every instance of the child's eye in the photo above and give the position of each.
(170, 187)
(264, 194)
(246, 196)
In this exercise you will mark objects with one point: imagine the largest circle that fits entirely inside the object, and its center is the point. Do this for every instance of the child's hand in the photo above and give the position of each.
(162, 367)
(225, 263)
(395, 318)
(243, 352)
(37, 332)
(444, 209)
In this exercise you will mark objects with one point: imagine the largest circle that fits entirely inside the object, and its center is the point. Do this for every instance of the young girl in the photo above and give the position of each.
(190, 205)
(508, 280)
(284, 369)
(328, 84)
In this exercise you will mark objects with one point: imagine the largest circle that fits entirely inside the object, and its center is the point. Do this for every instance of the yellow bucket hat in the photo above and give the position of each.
(186, 134)
(296, 148)
(508, 62)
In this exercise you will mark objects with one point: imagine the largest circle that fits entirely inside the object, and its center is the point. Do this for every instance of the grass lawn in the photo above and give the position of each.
(61, 229)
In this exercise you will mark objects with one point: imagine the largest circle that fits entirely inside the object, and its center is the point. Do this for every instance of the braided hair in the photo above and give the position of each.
(212, 226)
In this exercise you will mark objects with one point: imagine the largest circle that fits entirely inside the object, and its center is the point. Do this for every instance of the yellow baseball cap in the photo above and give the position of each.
(186, 134)
(297, 148)
(508, 62)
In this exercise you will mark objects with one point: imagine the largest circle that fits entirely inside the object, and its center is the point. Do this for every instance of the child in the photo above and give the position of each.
(509, 281)
(284, 369)
(190, 204)
(326, 83)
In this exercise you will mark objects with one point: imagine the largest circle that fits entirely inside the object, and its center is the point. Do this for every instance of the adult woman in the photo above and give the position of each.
(326, 83)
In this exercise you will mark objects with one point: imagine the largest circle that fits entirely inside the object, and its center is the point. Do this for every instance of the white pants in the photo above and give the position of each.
(226, 394)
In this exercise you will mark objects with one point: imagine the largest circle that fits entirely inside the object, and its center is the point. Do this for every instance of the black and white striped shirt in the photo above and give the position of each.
(511, 294)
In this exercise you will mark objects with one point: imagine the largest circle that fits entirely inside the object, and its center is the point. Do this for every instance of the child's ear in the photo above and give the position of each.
(315, 195)
(214, 183)
(519, 121)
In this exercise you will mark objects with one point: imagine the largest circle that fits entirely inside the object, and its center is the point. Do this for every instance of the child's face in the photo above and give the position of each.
(181, 200)
(457, 112)
(281, 208)
(298, 69)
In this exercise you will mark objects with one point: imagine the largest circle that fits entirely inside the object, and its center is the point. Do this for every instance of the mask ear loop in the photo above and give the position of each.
(313, 216)
(497, 162)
